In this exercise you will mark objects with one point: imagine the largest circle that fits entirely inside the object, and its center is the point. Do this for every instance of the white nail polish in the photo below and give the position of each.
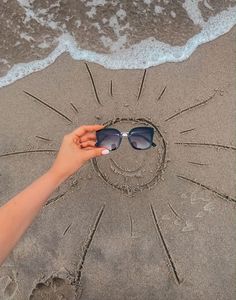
(105, 152)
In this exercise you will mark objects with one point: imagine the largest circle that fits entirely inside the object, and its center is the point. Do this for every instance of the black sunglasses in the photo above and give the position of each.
(140, 138)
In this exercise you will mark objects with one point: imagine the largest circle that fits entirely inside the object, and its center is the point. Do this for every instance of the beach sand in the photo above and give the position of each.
(155, 224)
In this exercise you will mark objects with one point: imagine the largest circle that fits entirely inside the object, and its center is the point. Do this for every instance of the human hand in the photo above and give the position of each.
(77, 147)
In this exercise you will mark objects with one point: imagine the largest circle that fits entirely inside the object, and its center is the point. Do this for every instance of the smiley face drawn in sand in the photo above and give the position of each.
(129, 170)
(131, 173)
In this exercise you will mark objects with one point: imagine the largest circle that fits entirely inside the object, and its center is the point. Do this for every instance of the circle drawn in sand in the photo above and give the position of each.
(129, 170)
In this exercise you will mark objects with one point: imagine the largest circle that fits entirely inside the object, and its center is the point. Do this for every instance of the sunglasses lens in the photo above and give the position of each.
(109, 138)
(141, 138)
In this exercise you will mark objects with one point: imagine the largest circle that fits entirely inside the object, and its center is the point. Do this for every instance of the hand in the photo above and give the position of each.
(77, 147)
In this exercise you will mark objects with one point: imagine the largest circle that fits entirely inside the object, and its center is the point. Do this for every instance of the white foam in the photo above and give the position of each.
(194, 13)
(43, 45)
(148, 2)
(173, 14)
(207, 5)
(96, 3)
(97, 25)
(27, 37)
(121, 13)
(3, 61)
(24, 3)
(143, 55)
(121, 38)
(158, 9)
(78, 23)
(92, 12)
(39, 15)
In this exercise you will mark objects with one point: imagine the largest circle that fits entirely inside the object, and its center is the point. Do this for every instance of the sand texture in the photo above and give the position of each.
(155, 224)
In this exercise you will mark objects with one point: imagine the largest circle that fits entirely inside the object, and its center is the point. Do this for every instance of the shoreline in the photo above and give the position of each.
(126, 59)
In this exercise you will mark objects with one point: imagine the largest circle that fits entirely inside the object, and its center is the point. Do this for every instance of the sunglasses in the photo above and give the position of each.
(140, 138)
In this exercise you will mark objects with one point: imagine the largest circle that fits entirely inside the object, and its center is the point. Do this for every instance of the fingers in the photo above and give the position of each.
(96, 151)
(88, 144)
(88, 148)
(88, 136)
(85, 138)
(86, 128)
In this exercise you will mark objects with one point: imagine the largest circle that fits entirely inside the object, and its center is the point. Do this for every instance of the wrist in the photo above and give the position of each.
(57, 176)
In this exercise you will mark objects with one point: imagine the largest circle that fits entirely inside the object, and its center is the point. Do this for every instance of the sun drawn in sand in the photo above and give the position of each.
(135, 173)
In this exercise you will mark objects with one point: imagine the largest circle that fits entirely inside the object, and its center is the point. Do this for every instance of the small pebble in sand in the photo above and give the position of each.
(189, 226)
(177, 222)
(74, 182)
(98, 117)
(200, 215)
(61, 297)
(165, 217)
(221, 92)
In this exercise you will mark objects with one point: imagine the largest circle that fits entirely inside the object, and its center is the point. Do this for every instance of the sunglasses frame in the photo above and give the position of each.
(128, 135)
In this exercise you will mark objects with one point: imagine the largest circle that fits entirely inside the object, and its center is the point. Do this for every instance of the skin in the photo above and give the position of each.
(19, 212)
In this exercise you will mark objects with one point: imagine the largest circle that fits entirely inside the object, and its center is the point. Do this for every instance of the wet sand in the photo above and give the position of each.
(116, 34)
(156, 224)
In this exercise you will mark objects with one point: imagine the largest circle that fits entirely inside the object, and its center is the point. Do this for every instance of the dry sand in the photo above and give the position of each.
(156, 224)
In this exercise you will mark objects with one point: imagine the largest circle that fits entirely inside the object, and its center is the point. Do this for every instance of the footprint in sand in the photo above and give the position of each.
(54, 288)
(8, 288)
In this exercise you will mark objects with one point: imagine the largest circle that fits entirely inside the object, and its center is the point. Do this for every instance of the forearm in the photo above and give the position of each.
(19, 212)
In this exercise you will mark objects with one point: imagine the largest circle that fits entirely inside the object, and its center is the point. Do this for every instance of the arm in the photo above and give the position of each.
(19, 212)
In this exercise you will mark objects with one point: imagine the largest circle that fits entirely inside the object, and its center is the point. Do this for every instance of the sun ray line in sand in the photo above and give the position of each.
(131, 225)
(196, 163)
(79, 268)
(111, 89)
(28, 151)
(67, 228)
(192, 107)
(93, 84)
(43, 138)
(219, 194)
(174, 212)
(54, 199)
(74, 107)
(162, 93)
(187, 130)
(49, 106)
(141, 85)
(226, 147)
(158, 230)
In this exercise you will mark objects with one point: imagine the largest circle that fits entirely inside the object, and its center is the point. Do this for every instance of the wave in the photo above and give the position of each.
(146, 53)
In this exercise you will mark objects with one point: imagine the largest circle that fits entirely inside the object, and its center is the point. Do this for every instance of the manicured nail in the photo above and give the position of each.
(105, 151)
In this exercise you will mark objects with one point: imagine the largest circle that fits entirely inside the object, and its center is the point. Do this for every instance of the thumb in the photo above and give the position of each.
(97, 152)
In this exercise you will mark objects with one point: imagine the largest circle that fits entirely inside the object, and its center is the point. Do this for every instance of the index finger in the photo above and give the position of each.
(86, 128)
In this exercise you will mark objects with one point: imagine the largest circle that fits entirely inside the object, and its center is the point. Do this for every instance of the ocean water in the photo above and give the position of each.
(127, 34)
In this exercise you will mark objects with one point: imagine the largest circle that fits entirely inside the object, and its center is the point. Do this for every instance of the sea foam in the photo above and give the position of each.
(147, 53)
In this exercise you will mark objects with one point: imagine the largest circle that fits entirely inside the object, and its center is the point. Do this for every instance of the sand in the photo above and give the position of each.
(156, 224)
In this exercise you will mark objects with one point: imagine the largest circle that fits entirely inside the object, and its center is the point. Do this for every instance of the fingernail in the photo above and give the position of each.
(105, 151)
